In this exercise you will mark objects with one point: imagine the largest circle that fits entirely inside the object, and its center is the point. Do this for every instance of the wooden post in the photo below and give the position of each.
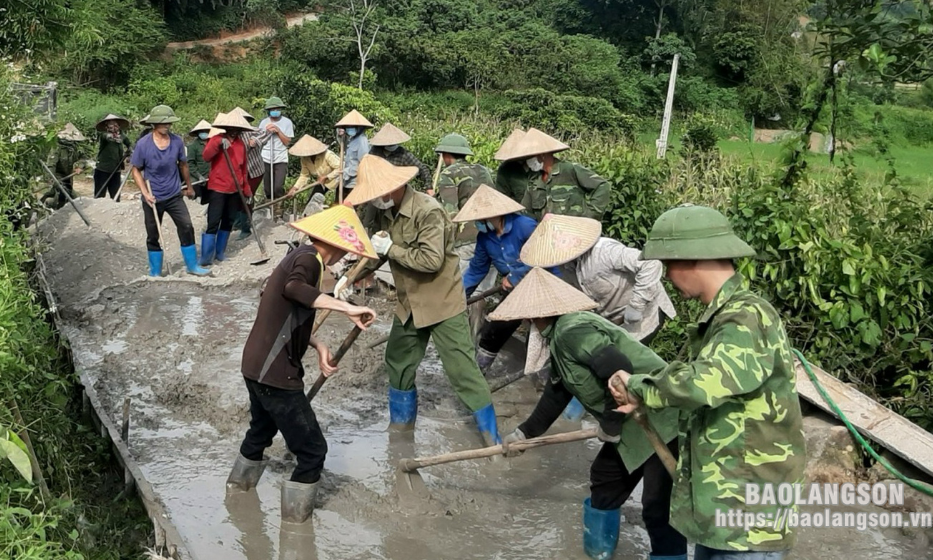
(668, 110)
(342, 143)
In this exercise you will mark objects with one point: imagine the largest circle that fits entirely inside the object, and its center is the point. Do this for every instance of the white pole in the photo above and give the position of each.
(668, 109)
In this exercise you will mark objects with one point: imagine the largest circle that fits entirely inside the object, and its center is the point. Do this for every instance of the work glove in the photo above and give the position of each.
(381, 243)
(632, 316)
(340, 289)
(609, 429)
(516, 436)
(225, 143)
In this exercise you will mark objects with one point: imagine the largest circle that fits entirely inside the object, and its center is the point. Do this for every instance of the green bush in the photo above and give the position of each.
(700, 135)
(331, 101)
(567, 114)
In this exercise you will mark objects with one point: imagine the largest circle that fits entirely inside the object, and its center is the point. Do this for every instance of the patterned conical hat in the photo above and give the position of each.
(536, 143)
(240, 111)
(376, 177)
(202, 126)
(339, 227)
(71, 132)
(485, 203)
(389, 135)
(101, 124)
(560, 239)
(354, 118)
(508, 147)
(308, 146)
(227, 121)
(541, 294)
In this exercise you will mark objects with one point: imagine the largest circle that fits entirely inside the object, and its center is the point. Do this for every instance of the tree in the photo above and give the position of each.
(361, 15)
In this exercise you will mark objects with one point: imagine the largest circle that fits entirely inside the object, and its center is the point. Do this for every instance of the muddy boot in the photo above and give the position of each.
(245, 474)
(220, 249)
(600, 531)
(208, 248)
(403, 409)
(155, 263)
(190, 254)
(486, 422)
(574, 411)
(484, 359)
(298, 501)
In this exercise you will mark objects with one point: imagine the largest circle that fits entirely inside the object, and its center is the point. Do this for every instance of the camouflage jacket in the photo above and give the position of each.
(740, 419)
(573, 340)
(512, 179)
(570, 190)
(64, 159)
(456, 184)
(196, 164)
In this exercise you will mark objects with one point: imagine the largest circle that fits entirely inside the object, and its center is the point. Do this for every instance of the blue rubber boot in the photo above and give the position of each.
(574, 411)
(678, 557)
(600, 531)
(208, 247)
(221, 247)
(155, 263)
(403, 408)
(190, 254)
(486, 422)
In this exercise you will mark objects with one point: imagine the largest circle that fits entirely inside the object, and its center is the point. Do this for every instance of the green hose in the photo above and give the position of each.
(915, 484)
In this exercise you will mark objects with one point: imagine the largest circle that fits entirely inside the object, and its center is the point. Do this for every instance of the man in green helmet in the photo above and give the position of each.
(275, 150)
(740, 421)
(456, 184)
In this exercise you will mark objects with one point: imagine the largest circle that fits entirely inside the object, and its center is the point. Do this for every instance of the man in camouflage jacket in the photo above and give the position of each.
(740, 420)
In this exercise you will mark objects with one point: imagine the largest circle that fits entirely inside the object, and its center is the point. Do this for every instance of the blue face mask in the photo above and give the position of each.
(351, 131)
(275, 114)
(202, 135)
(481, 226)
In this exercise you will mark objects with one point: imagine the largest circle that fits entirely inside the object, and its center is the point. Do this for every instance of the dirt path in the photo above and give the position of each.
(240, 37)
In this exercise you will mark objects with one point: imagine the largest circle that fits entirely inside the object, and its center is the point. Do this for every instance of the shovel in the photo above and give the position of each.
(155, 214)
(64, 191)
(264, 258)
(670, 463)
(335, 359)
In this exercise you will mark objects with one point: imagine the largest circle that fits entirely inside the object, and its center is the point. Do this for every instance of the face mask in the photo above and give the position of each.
(275, 114)
(392, 148)
(383, 204)
(164, 128)
(351, 131)
(202, 135)
(481, 226)
(534, 165)
(490, 226)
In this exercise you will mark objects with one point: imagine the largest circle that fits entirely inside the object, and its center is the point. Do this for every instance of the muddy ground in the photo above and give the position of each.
(173, 345)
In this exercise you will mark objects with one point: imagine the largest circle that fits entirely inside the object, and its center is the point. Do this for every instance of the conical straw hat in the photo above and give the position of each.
(535, 143)
(560, 239)
(541, 294)
(376, 177)
(242, 113)
(389, 135)
(124, 123)
(340, 227)
(508, 147)
(216, 131)
(70, 132)
(202, 126)
(487, 202)
(354, 118)
(228, 121)
(308, 146)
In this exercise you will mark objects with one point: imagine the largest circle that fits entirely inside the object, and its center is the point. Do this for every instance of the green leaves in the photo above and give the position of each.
(14, 450)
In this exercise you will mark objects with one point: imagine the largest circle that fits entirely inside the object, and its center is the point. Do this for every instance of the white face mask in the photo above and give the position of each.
(392, 148)
(534, 165)
(383, 204)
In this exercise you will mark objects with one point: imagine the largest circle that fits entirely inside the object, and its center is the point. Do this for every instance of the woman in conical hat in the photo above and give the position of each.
(586, 350)
(272, 358)
(513, 175)
(316, 161)
(351, 131)
(387, 144)
(112, 148)
(502, 233)
(199, 168)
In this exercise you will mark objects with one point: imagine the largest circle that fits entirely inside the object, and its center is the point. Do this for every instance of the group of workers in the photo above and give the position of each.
(728, 410)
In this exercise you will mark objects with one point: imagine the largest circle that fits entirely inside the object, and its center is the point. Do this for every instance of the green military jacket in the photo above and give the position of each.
(64, 158)
(424, 265)
(740, 419)
(196, 164)
(513, 178)
(570, 190)
(455, 185)
(572, 340)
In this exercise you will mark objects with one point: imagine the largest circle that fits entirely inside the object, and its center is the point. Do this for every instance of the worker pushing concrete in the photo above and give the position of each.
(586, 350)
(417, 237)
(272, 358)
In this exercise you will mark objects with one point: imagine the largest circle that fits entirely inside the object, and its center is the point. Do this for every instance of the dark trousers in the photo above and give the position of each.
(106, 183)
(611, 484)
(281, 170)
(275, 410)
(222, 209)
(56, 194)
(496, 333)
(174, 207)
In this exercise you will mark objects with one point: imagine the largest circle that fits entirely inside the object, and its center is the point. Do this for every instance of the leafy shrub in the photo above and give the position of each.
(700, 135)
(331, 101)
(567, 113)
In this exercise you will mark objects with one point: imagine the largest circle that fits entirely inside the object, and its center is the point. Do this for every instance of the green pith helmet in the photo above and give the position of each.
(275, 103)
(454, 144)
(693, 233)
(161, 114)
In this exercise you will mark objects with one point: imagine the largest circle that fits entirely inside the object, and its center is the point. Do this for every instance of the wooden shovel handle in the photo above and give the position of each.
(660, 448)
(334, 360)
(352, 278)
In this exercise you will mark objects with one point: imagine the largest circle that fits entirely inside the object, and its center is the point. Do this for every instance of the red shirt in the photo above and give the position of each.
(220, 179)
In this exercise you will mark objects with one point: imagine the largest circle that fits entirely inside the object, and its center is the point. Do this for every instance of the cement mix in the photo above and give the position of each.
(173, 345)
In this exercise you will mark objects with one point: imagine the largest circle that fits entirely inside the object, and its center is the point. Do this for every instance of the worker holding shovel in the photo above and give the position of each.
(418, 240)
(586, 350)
(255, 140)
(159, 167)
(736, 393)
(275, 151)
(113, 144)
(272, 357)
(64, 161)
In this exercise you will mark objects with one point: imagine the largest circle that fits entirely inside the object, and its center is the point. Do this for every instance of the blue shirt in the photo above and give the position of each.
(356, 149)
(501, 252)
(160, 167)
